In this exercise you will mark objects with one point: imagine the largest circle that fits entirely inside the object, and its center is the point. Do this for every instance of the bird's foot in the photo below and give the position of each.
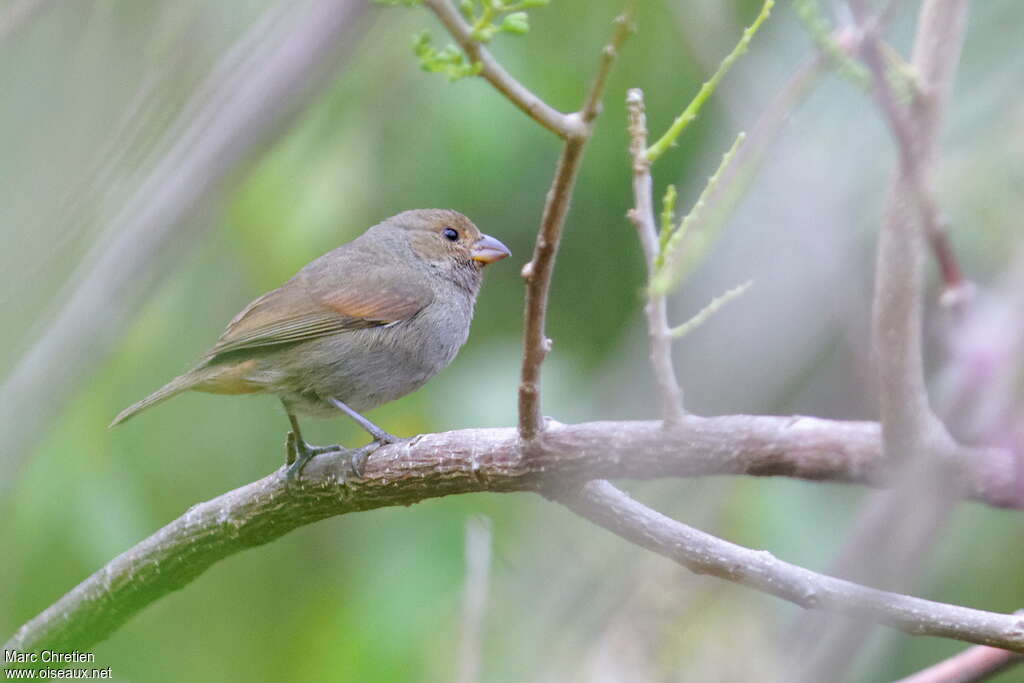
(382, 438)
(357, 462)
(298, 453)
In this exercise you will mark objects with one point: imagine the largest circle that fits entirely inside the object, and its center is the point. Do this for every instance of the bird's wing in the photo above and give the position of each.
(305, 309)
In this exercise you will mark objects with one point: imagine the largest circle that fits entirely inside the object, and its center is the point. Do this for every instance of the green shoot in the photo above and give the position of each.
(674, 264)
(668, 219)
(487, 18)
(818, 27)
(484, 16)
(713, 307)
(693, 108)
(901, 75)
(449, 61)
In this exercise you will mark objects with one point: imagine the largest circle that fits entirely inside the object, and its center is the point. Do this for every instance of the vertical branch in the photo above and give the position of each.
(893, 535)
(917, 132)
(907, 417)
(538, 271)
(642, 216)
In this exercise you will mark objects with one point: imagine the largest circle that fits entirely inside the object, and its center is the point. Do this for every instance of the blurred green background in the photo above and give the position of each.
(90, 88)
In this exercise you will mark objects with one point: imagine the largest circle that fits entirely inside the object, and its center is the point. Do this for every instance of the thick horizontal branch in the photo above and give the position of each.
(466, 461)
(703, 553)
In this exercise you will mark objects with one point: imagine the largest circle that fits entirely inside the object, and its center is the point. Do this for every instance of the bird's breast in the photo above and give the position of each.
(369, 367)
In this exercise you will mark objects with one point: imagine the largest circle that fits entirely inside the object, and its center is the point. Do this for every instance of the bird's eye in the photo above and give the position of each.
(451, 234)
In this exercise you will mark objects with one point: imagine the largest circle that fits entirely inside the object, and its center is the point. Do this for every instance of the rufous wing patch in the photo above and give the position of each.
(386, 303)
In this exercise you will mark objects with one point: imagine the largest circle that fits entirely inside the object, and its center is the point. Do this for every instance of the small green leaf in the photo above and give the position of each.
(517, 23)
(448, 61)
(485, 33)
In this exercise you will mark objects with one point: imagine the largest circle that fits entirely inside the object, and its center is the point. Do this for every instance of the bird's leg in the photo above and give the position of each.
(378, 434)
(298, 452)
(380, 437)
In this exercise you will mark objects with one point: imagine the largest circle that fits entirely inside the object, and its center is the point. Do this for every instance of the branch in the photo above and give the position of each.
(642, 215)
(538, 271)
(564, 126)
(907, 418)
(603, 504)
(890, 542)
(467, 461)
(916, 133)
(576, 130)
(974, 664)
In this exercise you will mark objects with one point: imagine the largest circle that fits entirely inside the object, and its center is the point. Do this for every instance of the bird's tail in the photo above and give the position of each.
(172, 388)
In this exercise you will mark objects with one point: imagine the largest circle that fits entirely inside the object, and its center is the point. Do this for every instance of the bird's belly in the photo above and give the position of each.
(363, 368)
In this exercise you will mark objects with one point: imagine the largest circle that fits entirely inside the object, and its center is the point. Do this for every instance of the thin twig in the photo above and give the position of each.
(659, 334)
(564, 126)
(537, 273)
(978, 663)
(668, 139)
(539, 269)
(623, 28)
(474, 460)
(916, 132)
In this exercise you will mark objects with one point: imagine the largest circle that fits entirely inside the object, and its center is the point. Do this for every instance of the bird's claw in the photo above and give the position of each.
(298, 453)
(382, 438)
(357, 463)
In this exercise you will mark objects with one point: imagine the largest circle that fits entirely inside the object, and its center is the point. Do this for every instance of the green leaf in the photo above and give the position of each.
(449, 61)
(517, 23)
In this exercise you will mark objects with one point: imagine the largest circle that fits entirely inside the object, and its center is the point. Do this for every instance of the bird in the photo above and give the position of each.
(360, 326)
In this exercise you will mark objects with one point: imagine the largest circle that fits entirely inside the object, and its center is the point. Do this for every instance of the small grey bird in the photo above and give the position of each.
(362, 325)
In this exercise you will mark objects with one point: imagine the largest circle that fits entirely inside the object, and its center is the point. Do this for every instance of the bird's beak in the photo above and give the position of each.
(488, 250)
